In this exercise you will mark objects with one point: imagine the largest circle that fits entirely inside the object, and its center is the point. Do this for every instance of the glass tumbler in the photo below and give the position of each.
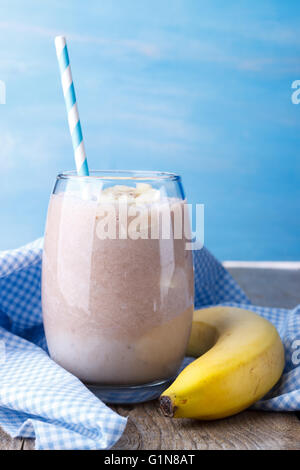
(117, 281)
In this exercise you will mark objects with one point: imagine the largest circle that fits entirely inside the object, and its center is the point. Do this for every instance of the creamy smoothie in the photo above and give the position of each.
(116, 311)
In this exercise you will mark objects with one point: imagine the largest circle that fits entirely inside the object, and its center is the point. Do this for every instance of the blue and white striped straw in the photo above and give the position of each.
(71, 104)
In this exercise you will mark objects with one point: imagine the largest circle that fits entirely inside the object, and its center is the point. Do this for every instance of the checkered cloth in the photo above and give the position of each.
(40, 399)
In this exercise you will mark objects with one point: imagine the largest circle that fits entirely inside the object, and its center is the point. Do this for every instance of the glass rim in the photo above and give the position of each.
(120, 175)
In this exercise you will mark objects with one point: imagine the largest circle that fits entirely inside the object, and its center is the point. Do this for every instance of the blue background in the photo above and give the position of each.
(195, 87)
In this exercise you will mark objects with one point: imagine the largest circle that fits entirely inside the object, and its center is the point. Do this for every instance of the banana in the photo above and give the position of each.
(241, 359)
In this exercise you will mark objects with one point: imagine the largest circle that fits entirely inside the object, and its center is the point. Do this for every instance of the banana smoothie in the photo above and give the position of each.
(117, 307)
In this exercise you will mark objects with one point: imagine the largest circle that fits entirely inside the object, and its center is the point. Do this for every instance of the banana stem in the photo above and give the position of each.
(166, 406)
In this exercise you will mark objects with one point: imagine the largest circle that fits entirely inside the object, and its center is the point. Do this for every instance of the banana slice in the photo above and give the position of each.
(142, 194)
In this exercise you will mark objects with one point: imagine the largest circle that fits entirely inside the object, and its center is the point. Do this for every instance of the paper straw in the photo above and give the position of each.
(71, 105)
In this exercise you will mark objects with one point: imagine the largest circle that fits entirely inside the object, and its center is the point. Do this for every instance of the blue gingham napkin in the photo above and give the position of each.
(40, 399)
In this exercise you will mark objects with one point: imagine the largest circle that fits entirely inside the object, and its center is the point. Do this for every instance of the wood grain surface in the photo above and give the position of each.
(148, 429)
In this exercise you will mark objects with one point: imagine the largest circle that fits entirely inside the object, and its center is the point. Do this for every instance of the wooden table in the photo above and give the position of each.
(274, 284)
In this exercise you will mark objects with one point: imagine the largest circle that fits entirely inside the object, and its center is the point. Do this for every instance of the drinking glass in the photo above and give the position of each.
(117, 281)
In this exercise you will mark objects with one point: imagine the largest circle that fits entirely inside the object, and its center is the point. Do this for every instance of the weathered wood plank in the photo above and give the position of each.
(7, 443)
(148, 429)
(269, 287)
(28, 444)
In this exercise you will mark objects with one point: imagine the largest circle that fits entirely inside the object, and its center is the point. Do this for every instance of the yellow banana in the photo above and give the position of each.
(241, 359)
